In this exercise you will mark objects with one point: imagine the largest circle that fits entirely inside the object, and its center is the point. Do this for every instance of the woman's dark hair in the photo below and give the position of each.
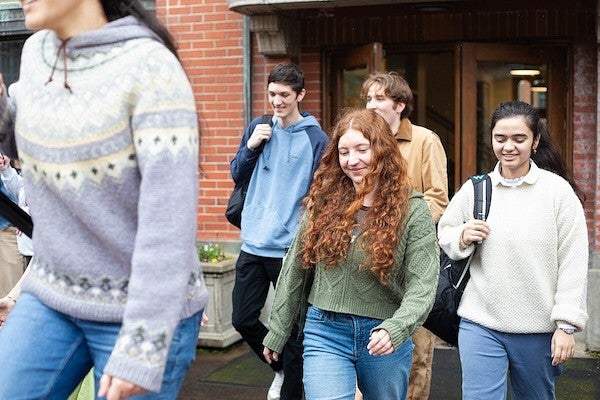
(115, 9)
(546, 155)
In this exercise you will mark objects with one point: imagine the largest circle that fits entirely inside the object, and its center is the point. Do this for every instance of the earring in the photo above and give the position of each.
(534, 151)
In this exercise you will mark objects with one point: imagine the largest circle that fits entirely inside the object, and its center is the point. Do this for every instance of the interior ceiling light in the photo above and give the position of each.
(542, 89)
(525, 71)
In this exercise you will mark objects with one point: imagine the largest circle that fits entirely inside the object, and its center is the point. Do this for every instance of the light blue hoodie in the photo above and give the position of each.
(279, 182)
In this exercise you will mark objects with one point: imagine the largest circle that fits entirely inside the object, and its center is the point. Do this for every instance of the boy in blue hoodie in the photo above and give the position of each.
(280, 161)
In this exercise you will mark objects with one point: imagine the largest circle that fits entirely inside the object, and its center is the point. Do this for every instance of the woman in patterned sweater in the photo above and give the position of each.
(104, 121)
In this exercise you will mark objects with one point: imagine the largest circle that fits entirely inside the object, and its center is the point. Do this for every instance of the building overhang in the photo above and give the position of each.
(276, 31)
(12, 21)
(253, 7)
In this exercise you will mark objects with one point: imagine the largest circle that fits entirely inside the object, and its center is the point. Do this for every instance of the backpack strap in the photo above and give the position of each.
(267, 119)
(482, 185)
(15, 215)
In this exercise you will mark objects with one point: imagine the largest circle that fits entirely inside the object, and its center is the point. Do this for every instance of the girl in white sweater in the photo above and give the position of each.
(527, 292)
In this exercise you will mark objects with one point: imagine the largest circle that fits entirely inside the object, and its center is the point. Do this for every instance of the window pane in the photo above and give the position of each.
(10, 59)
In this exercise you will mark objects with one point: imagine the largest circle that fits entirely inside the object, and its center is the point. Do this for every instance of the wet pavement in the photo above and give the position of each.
(236, 373)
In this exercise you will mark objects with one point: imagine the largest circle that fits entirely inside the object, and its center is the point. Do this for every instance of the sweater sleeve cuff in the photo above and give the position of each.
(140, 356)
(569, 315)
(274, 342)
(397, 335)
(130, 371)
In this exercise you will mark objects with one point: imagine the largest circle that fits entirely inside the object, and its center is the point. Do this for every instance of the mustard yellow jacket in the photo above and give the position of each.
(426, 160)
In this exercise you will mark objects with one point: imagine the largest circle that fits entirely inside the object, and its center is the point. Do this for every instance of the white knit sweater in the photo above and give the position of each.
(531, 271)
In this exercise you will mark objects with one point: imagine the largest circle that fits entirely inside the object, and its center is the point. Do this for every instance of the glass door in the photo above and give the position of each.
(494, 73)
(348, 70)
(430, 72)
(456, 89)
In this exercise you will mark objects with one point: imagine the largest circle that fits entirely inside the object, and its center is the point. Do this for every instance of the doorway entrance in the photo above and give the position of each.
(456, 88)
(490, 74)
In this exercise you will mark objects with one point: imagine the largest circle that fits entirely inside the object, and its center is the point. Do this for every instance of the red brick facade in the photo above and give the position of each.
(211, 48)
(210, 40)
(585, 141)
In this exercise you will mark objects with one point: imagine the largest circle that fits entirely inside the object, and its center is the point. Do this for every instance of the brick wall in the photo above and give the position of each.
(211, 49)
(210, 43)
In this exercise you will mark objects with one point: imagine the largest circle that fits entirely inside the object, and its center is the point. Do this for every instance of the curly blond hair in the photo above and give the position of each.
(332, 202)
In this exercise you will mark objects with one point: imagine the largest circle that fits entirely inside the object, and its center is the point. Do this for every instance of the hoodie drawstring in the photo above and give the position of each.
(63, 48)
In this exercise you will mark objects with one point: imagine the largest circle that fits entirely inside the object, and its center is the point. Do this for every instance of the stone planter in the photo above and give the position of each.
(219, 278)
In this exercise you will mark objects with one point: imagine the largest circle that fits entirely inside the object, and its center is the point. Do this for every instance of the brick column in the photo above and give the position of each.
(586, 111)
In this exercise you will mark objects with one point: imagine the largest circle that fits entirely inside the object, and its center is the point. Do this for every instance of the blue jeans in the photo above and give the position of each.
(336, 359)
(44, 354)
(487, 356)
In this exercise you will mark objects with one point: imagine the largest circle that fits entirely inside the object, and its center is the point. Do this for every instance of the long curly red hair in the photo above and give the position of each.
(332, 202)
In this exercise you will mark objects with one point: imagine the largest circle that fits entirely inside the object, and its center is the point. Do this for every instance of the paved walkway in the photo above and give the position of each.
(236, 374)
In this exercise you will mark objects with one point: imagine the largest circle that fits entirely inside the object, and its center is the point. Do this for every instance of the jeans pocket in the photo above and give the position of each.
(315, 314)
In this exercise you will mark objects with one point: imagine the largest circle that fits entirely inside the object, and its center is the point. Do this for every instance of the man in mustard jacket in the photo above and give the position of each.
(390, 96)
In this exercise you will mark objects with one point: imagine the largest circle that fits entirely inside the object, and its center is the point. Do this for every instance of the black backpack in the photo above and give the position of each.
(443, 319)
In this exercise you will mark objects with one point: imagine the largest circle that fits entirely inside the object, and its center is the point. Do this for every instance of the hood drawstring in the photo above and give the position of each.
(63, 48)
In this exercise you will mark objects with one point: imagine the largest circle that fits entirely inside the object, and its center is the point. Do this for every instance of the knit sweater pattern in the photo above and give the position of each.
(531, 271)
(349, 288)
(111, 175)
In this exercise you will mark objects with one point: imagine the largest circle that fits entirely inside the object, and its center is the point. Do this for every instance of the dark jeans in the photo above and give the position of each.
(254, 275)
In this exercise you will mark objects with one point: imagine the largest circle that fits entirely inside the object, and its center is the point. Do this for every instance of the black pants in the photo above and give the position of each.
(254, 275)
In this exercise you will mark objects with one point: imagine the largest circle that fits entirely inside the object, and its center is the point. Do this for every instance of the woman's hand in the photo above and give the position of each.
(6, 305)
(270, 355)
(475, 230)
(117, 389)
(562, 348)
(380, 343)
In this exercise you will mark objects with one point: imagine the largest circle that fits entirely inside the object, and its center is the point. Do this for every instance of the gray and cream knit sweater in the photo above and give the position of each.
(109, 149)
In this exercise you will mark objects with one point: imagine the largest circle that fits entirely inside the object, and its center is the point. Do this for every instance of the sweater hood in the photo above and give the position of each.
(114, 32)
(306, 122)
(69, 54)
